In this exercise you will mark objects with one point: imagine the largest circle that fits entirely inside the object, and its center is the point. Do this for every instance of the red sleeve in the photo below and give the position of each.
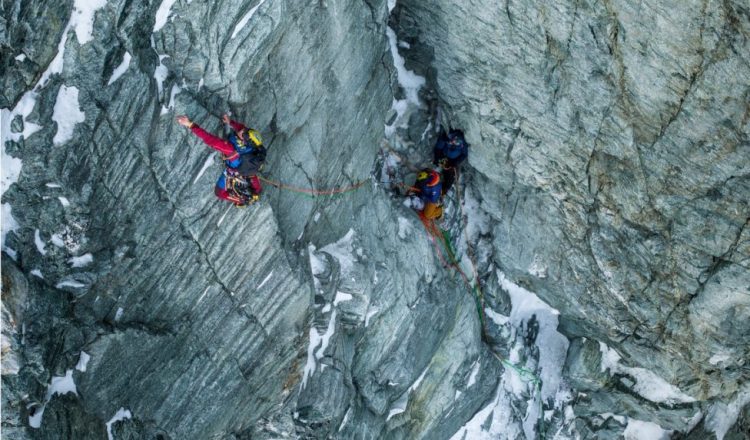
(212, 141)
(237, 126)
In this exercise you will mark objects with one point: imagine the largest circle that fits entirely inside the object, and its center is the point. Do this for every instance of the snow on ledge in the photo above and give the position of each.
(82, 261)
(639, 430)
(82, 18)
(120, 415)
(341, 297)
(57, 385)
(343, 251)
(648, 385)
(400, 405)
(722, 416)
(316, 349)
(162, 14)
(246, 18)
(121, 69)
(83, 360)
(39, 243)
(66, 114)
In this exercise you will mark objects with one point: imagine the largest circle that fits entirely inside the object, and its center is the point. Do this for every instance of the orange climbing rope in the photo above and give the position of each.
(313, 192)
(430, 227)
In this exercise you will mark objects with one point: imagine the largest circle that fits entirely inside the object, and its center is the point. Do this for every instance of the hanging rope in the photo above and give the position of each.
(313, 192)
(433, 231)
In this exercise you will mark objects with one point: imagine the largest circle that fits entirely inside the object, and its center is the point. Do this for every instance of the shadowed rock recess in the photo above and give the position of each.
(609, 174)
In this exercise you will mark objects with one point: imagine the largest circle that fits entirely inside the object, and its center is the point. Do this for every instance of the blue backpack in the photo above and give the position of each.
(453, 151)
(250, 152)
(430, 186)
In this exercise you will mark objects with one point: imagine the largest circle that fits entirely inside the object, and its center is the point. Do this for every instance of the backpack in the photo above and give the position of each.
(250, 150)
(453, 151)
(430, 187)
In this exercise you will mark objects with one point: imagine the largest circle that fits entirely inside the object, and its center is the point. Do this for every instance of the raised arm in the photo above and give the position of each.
(236, 126)
(212, 141)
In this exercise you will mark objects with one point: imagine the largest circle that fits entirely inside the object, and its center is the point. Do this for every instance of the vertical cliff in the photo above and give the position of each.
(608, 175)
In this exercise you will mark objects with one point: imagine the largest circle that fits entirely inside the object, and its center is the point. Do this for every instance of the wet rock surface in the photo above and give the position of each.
(608, 173)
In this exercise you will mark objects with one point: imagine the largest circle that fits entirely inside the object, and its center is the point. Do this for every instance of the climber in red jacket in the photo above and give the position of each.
(243, 154)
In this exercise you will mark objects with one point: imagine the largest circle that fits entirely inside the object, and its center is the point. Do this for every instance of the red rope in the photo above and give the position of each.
(313, 192)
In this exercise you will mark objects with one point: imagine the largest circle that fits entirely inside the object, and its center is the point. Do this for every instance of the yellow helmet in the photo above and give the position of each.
(422, 175)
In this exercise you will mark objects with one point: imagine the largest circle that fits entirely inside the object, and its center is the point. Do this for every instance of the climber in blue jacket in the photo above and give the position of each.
(450, 150)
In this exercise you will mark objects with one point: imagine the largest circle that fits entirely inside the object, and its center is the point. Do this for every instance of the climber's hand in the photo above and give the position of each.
(184, 121)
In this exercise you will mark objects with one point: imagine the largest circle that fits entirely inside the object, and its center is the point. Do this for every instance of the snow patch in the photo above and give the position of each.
(326, 336)
(265, 280)
(497, 318)
(81, 21)
(119, 416)
(70, 283)
(341, 297)
(648, 385)
(246, 18)
(473, 375)
(537, 268)
(82, 18)
(721, 416)
(404, 227)
(160, 73)
(66, 114)
(718, 358)
(83, 360)
(121, 69)
(37, 273)
(39, 243)
(82, 261)
(221, 220)
(57, 240)
(400, 405)
(11, 166)
(58, 385)
(342, 250)
(317, 348)
(20, 58)
(639, 430)
(478, 222)
(162, 14)
(8, 224)
(553, 346)
(118, 313)
(209, 161)
(172, 94)
(346, 419)
(203, 294)
(409, 82)
(64, 201)
(494, 421)
(370, 314)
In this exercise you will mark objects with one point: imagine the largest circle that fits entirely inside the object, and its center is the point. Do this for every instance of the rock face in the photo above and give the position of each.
(199, 320)
(611, 141)
(608, 173)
